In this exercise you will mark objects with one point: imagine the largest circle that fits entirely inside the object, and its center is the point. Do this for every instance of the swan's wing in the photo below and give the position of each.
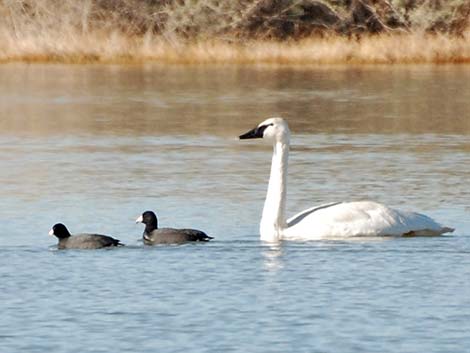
(301, 215)
(360, 218)
(345, 219)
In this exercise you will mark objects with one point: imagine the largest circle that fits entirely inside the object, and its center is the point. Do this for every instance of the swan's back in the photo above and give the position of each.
(362, 218)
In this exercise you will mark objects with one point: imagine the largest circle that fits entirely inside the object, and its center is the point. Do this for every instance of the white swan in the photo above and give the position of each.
(341, 219)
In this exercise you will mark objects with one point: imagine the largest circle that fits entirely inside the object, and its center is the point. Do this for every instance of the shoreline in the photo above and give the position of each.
(117, 48)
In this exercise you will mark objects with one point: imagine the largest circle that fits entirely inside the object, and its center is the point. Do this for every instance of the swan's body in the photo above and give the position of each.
(342, 219)
(366, 218)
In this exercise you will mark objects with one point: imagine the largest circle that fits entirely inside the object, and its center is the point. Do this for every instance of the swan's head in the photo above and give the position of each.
(274, 129)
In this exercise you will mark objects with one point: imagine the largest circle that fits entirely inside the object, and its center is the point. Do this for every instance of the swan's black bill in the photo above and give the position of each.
(256, 133)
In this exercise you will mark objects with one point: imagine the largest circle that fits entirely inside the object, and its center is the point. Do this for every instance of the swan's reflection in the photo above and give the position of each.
(272, 256)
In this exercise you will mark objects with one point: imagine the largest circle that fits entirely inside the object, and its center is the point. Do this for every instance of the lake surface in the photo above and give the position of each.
(94, 146)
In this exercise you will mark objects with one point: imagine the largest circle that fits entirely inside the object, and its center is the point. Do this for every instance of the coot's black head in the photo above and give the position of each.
(60, 231)
(149, 219)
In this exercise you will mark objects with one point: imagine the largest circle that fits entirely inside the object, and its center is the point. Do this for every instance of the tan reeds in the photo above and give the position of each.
(118, 47)
(137, 30)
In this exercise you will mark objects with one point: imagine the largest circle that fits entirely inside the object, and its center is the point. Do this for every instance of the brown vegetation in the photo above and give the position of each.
(243, 31)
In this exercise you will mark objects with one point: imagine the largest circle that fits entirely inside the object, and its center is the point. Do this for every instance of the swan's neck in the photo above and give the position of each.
(273, 220)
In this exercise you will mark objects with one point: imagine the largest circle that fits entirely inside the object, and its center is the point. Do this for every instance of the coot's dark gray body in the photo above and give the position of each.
(81, 241)
(174, 236)
(88, 241)
(154, 235)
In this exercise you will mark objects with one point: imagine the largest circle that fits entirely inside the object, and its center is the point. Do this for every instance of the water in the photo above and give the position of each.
(94, 146)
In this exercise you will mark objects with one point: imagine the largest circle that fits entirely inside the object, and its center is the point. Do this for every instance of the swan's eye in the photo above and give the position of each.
(257, 132)
(260, 129)
(264, 127)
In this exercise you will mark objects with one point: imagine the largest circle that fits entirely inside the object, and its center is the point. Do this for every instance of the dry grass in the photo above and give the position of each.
(118, 48)
(213, 31)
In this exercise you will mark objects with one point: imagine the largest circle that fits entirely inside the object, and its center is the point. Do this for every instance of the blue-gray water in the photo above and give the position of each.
(94, 146)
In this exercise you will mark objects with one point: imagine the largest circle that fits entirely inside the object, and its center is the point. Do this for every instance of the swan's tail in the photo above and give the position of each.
(428, 232)
(447, 230)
